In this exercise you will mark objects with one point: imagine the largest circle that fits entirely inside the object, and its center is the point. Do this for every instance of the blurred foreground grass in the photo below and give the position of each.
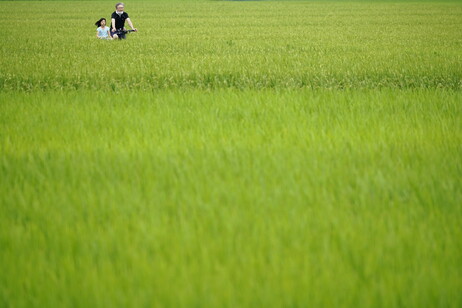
(231, 198)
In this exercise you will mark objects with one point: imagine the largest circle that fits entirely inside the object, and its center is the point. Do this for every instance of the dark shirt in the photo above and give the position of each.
(119, 20)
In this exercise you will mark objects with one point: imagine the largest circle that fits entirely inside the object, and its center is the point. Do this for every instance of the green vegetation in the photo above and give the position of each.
(222, 44)
(242, 154)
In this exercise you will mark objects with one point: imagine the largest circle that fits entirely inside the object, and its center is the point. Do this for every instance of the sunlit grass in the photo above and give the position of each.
(222, 44)
(231, 198)
(232, 154)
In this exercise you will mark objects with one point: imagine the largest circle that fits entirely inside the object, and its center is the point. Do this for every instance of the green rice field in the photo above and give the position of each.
(232, 154)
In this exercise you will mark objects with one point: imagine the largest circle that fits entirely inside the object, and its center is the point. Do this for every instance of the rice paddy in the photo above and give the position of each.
(231, 154)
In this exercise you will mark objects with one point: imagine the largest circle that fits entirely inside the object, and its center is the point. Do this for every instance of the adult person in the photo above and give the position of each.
(118, 19)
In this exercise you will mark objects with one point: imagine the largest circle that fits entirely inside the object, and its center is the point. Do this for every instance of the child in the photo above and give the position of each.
(102, 32)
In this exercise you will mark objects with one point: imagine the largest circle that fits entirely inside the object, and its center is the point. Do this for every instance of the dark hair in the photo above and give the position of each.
(98, 23)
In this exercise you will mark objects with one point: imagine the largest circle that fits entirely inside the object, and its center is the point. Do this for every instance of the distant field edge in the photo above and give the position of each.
(238, 1)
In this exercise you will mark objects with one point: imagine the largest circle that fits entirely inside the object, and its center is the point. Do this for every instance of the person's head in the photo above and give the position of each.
(101, 22)
(120, 7)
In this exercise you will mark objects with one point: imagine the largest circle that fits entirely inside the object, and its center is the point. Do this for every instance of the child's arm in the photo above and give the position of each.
(109, 33)
(97, 36)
